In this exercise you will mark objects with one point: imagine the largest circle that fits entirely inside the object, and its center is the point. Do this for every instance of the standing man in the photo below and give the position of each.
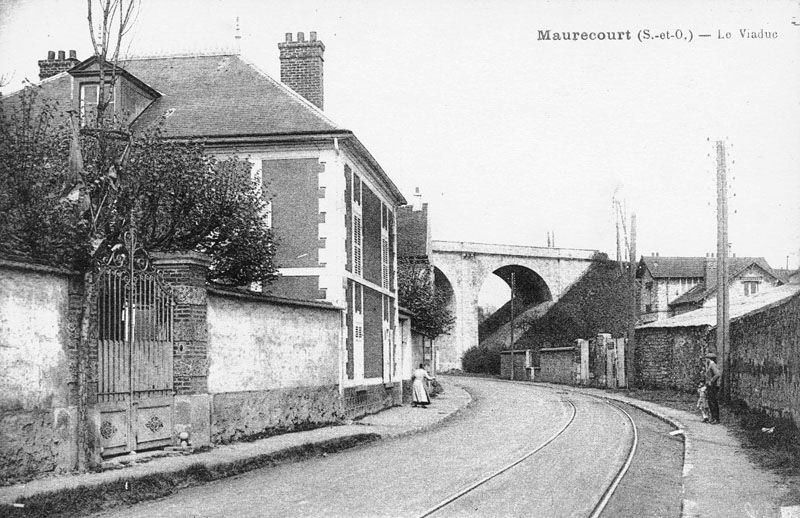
(713, 381)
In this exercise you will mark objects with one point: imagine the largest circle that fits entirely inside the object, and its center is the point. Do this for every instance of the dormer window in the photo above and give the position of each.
(750, 288)
(90, 97)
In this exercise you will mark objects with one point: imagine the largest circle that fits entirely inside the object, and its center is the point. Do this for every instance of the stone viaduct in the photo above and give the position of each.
(460, 268)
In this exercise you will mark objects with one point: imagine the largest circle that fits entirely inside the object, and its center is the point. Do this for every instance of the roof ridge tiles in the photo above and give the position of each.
(179, 55)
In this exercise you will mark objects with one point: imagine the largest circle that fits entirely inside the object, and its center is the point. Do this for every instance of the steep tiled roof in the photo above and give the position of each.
(223, 98)
(222, 95)
(674, 267)
(737, 266)
(739, 307)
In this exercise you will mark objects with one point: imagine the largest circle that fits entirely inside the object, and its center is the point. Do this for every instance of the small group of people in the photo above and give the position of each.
(419, 394)
(708, 402)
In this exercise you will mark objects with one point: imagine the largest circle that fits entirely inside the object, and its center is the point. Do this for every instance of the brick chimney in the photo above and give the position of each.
(52, 65)
(301, 66)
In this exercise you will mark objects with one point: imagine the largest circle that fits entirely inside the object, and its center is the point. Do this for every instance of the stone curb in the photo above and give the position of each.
(96, 495)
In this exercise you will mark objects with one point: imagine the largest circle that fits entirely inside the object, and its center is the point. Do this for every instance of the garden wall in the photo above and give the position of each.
(521, 364)
(36, 331)
(273, 364)
(765, 360)
(670, 357)
(557, 365)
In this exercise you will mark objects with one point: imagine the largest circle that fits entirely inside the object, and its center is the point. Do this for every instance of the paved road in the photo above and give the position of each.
(410, 475)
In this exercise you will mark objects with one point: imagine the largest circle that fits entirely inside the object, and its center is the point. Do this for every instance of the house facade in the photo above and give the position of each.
(675, 285)
(337, 349)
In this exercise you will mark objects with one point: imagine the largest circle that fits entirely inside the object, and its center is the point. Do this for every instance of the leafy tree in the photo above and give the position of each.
(172, 193)
(418, 294)
(36, 221)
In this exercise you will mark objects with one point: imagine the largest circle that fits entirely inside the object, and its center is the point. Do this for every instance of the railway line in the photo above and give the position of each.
(529, 456)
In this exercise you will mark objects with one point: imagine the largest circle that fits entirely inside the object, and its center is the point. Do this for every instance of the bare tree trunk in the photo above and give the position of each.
(84, 342)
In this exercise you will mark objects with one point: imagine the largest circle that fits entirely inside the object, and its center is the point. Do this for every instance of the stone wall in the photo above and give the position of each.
(37, 331)
(34, 307)
(273, 364)
(255, 414)
(765, 370)
(369, 399)
(670, 357)
(557, 365)
(522, 359)
(27, 444)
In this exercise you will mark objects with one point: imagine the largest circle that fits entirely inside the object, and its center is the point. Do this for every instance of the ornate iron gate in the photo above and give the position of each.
(135, 338)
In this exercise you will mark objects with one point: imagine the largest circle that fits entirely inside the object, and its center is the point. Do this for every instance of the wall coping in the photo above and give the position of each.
(556, 349)
(180, 258)
(40, 268)
(221, 291)
(509, 351)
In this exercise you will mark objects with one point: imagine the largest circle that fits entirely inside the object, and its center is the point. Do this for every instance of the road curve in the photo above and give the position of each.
(410, 475)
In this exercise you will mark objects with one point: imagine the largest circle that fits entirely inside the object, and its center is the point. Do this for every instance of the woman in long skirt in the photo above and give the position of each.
(419, 395)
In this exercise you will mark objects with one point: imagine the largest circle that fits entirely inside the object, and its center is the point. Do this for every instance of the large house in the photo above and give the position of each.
(334, 343)
(333, 206)
(674, 285)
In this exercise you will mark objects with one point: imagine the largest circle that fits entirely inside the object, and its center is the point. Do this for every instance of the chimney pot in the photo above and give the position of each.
(302, 66)
(55, 65)
(313, 35)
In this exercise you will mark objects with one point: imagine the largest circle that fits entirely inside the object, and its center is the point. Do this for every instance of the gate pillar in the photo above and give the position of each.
(186, 274)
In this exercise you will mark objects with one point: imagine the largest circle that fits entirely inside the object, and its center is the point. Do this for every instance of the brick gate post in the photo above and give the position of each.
(185, 274)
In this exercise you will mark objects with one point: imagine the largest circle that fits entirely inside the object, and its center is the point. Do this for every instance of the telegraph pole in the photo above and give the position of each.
(630, 374)
(723, 322)
(512, 325)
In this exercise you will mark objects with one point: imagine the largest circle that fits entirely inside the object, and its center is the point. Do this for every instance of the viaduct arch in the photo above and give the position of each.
(541, 273)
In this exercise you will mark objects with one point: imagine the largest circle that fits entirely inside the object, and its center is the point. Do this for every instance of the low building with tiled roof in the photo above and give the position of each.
(674, 285)
(669, 351)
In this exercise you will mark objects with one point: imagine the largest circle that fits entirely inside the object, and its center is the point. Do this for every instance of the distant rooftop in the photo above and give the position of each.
(739, 307)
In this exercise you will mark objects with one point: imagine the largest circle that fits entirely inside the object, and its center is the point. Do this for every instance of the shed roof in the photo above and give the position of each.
(739, 307)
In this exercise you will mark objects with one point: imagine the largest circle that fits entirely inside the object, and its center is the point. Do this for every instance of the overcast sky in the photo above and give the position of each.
(510, 137)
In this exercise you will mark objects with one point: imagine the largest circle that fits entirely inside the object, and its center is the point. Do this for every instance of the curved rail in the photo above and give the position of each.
(601, 505)
(607, 494)
(505, 468)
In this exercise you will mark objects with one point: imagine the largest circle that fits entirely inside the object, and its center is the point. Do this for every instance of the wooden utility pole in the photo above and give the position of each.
(723, 323)
(512, 325)
(630, 372)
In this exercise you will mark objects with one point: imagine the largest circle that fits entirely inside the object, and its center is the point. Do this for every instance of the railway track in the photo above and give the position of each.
(530, 455)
